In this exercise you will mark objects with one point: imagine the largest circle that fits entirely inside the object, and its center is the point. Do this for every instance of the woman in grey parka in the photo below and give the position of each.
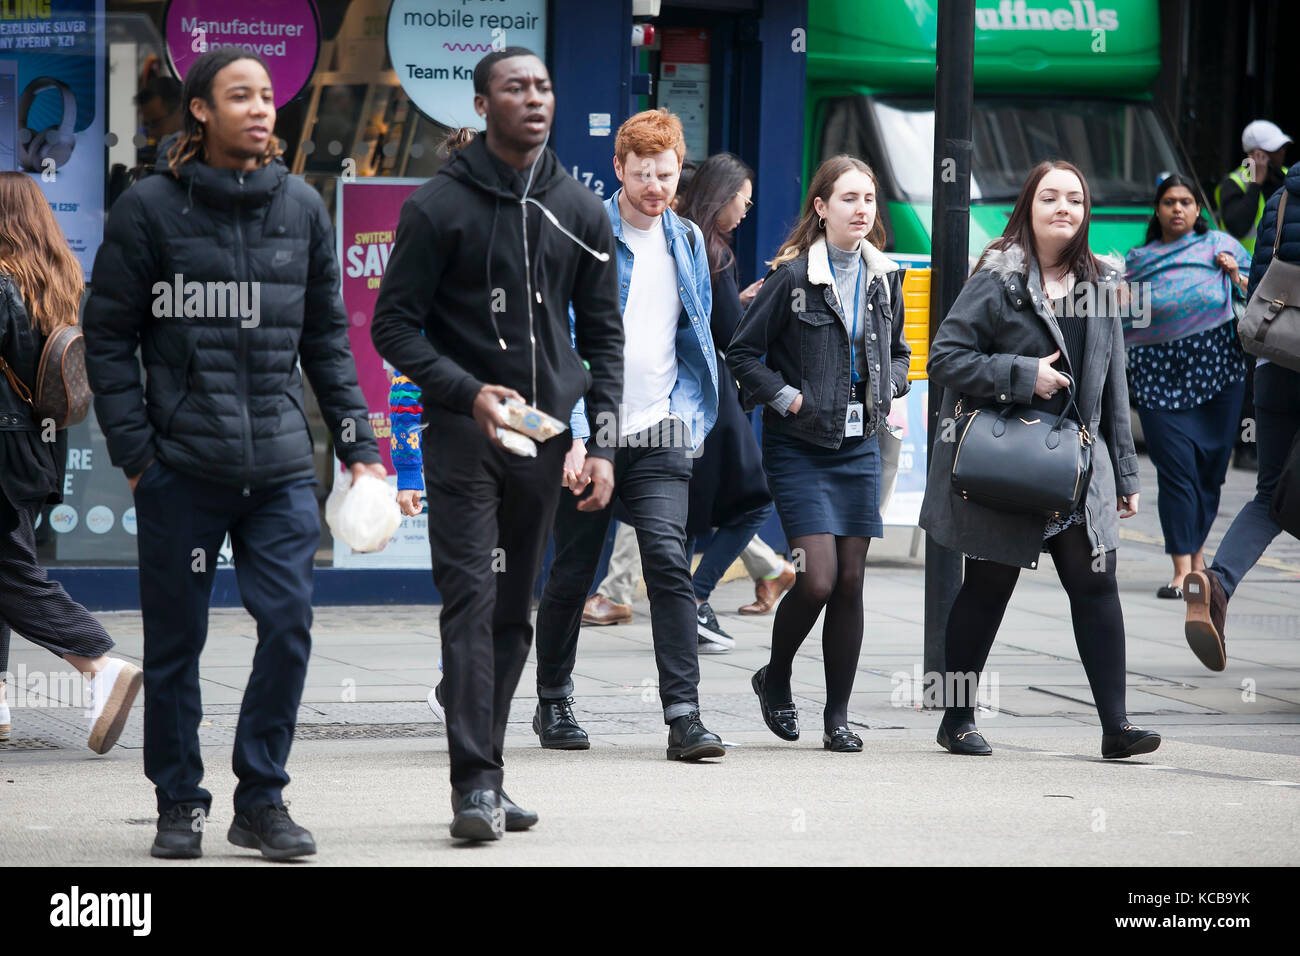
(1039, 304)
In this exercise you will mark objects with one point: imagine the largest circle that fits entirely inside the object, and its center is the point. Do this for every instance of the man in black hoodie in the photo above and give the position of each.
(473, 309)
(220, 272)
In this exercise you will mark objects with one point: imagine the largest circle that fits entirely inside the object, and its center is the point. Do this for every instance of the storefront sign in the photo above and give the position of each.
(367, 227)
(52, 70)
(434, 47)
(284, 33)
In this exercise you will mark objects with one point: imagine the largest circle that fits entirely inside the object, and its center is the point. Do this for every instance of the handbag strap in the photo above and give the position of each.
(23, 391)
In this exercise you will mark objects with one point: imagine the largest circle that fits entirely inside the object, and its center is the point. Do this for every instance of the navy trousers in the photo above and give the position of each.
(1191, 449)
(1277, 416)
(181, 522)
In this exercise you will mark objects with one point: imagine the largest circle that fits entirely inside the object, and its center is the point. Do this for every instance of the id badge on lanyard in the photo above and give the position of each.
(854, 414)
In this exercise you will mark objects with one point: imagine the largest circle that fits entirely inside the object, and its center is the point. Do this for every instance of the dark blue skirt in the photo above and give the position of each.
(825, 490)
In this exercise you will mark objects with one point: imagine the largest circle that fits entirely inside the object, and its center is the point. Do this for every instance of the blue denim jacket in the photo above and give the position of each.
(694, 398)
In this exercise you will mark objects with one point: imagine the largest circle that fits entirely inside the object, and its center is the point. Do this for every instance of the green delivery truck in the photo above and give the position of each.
(1068, 79)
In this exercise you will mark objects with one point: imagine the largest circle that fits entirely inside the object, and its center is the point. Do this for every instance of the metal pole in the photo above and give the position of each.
(949, 235)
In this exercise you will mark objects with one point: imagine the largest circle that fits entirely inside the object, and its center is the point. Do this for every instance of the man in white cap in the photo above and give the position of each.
(1241, 195)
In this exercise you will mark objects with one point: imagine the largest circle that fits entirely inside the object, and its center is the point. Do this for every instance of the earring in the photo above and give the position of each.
(821, 223)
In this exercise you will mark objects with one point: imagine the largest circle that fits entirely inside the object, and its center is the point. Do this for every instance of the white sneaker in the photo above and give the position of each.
(5, 726)
(112, 692)
(435, 704)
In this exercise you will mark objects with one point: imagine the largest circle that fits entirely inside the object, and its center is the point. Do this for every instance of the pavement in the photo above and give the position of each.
(369, 764)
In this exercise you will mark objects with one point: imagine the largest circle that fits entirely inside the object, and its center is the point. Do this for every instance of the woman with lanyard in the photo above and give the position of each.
(1186, 367)
(828, 318)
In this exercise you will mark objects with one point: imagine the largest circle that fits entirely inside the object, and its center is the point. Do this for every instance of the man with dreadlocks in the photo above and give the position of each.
(221, 273)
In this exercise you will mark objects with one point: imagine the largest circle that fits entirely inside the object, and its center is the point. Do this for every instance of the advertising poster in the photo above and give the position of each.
(284, 33)
(367, 226)
(910, 415)
(434, 45)
(52, 73)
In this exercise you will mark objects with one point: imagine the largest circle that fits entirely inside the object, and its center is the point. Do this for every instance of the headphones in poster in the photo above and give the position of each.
(53, 142)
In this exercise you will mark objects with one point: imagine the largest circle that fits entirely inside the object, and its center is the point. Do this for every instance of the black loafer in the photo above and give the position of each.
(557, 728)
(841, 740)
(963, 739)
(1170, 593)
(782, 721)
(479, 816)
(689, 740)
(1129, 742)
(517, 818)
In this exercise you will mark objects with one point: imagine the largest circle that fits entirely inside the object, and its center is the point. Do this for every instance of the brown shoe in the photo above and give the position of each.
(1207, 606)
(600, 610)
(769, 590)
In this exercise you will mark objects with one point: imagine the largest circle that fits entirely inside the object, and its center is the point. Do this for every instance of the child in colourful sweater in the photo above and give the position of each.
(404, 411)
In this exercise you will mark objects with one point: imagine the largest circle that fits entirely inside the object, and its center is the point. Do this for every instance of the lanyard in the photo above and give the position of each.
(857, 301)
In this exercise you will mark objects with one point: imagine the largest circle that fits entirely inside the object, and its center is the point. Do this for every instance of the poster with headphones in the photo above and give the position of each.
(52, 78)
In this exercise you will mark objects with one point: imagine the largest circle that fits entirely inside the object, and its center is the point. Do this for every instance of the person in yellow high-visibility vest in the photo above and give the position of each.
(1240, 196)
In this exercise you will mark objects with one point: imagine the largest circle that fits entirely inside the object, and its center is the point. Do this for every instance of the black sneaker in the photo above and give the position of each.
(180, 832)
(270, 829)
(713, 639)
(689, 740)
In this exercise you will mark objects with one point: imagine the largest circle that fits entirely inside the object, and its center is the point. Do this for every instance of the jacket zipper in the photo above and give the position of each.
(246, 421)
(528, 286)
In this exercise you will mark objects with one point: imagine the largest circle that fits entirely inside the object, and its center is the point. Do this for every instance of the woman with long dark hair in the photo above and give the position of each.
(728, 491)
(1039, 305)
(822, 349)
(40, 293)
(1186, 366)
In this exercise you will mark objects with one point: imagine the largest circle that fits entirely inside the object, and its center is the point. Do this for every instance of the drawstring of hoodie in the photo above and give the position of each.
(492, 238)
(532, 267)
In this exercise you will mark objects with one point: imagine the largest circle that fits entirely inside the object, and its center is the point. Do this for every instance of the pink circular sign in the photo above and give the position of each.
(284, 33)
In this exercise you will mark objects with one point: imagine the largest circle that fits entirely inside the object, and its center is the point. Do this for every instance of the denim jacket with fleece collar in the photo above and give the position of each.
(694, 398)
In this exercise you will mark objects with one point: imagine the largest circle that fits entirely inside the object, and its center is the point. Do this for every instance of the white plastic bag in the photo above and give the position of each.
(365, 515)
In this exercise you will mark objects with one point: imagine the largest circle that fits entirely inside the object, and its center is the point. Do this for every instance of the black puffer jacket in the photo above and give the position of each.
(223, 395)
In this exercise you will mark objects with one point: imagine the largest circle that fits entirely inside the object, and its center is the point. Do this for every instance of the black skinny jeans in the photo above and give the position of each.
(1094, 608)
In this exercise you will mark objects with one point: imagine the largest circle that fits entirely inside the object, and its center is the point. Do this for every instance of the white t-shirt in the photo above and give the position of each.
(650, 329)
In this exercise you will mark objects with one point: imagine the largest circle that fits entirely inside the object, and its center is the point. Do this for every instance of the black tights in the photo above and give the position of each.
(832, 579)
(1094, 608)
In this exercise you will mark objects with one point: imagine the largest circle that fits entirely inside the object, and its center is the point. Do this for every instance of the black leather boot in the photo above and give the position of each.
(556, 727)
(689, 740)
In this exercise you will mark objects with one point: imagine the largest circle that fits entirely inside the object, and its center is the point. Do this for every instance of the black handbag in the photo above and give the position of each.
(1022, 461)
(1284, 509)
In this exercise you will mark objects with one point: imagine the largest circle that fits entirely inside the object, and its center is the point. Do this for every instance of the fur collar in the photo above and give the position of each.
(819, 267)
(1009, 262)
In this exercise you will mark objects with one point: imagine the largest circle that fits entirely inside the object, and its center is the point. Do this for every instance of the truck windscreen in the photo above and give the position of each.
(1120, 145)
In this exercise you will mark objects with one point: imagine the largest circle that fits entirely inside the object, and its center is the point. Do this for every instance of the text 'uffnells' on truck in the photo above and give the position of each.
(1053, 80)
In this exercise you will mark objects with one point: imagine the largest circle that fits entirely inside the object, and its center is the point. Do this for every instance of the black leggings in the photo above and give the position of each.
(831, 578)
(1094, 608)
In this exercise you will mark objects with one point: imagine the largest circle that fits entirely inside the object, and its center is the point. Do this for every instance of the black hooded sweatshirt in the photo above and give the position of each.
(466, 300)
